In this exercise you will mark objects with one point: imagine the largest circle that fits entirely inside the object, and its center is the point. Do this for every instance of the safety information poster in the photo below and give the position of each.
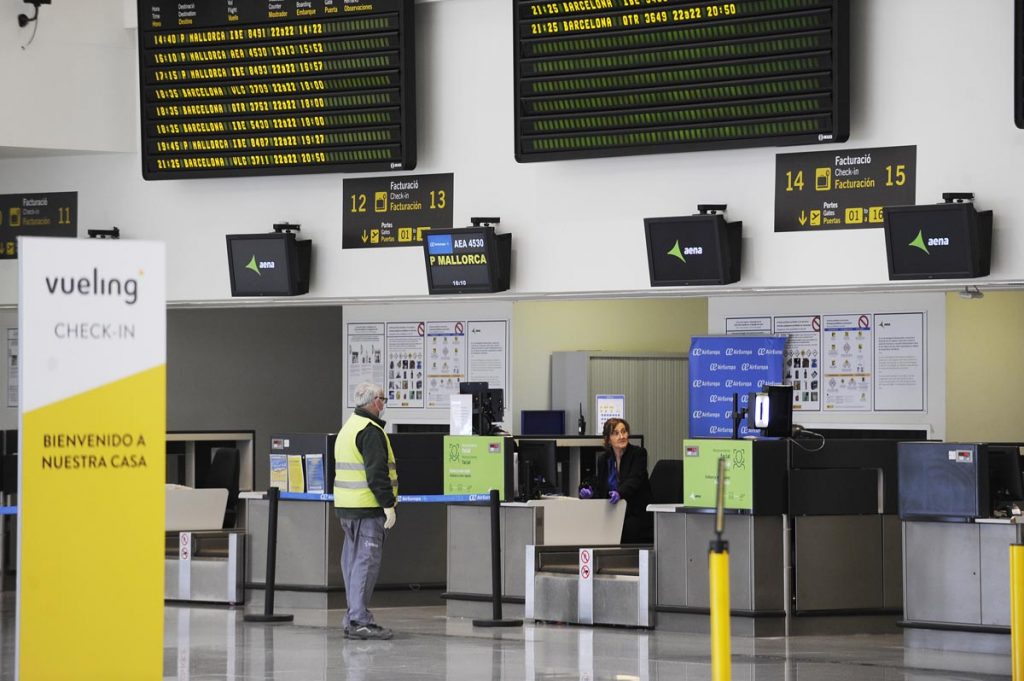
(801, 359)
(847, 371)
(899, 355)
(365, 356)
(420, 363)
(446, 361)
(849, 362)
(405, 364)
(488, 342)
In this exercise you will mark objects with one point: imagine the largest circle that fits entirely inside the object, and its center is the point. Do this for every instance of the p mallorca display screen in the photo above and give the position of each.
(932, 242)
(253, 87)
(616, 77)
(469, 260)
(263, 264)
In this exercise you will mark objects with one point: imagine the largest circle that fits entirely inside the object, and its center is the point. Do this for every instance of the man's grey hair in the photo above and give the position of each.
(366, 393)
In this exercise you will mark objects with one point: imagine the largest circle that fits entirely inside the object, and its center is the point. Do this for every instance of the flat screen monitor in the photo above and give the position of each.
(940, 241)
(488, 405)
(275, 264)
(537, 468)
(1005, 476)
(542, 422)
(771, 411)
(467, 260)
(693, 250)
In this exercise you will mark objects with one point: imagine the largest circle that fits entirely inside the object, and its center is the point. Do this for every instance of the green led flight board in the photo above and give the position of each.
(276, 87)
(599, 78)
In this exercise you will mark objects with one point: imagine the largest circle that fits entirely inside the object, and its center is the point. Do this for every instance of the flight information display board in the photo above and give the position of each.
(275, 87)
(600, 78)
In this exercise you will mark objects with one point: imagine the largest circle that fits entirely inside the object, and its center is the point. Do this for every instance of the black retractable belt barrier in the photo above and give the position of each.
(496, 569)
(273, 495)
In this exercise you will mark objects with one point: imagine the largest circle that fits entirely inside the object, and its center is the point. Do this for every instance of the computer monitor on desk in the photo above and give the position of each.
(537, 469)
(1005, 478)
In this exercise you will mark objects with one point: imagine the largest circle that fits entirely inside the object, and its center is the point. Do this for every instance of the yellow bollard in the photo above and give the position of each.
(1017, 611)
(718, 569)
(718, 578)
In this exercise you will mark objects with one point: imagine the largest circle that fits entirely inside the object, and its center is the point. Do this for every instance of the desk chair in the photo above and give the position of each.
(667, 482)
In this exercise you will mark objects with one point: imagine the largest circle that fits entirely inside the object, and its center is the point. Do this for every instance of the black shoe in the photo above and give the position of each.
(367, 632)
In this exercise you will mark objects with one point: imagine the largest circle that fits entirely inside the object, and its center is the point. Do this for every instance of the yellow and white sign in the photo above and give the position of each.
(92, 320)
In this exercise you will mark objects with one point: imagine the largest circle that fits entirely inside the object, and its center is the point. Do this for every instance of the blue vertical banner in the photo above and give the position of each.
(723, 365)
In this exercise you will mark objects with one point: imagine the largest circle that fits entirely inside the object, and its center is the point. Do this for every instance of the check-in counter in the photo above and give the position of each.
(955, 554)
(817, 548)
(309, 540)
(539, 522)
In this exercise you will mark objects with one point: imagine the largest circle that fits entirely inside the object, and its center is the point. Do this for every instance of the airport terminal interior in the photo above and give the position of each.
(220, 217)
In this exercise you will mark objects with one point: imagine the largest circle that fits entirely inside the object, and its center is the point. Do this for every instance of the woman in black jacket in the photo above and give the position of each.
(622, 474)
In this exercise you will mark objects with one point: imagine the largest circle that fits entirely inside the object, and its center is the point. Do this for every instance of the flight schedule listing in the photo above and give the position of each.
(600, 78)
(269, 87)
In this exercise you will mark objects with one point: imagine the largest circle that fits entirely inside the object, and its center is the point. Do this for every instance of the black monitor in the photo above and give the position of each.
(693, 250)
(771, 411)
(537, 469)
(275, 264)
(1005, 476)
(467, 260)
(488, 406)
(542, 422)
(940, 241)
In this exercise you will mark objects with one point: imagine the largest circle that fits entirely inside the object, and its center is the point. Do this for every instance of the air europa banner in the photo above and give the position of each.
(723, 365)
(92, 321)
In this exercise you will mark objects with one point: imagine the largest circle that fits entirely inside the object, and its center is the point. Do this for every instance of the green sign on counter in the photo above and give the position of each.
(474, 464)
(700, 473)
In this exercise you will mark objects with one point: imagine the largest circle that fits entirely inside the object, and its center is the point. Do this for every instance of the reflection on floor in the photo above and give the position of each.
(215, 644)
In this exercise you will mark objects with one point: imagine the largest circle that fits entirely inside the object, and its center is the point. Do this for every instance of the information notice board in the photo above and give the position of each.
(272, 87)
(613, 77)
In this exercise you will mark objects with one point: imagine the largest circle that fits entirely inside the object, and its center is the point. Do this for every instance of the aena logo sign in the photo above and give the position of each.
(678, 252)
(257, 265)
(922, 243)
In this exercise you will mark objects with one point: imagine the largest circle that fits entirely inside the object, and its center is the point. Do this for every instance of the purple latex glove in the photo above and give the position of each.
(586, 492)
(614, 497)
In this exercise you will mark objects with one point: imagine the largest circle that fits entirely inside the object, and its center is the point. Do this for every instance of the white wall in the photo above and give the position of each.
(919, 77)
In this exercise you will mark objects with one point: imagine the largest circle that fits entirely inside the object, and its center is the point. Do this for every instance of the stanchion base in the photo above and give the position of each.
(497, 623)
(268, 618)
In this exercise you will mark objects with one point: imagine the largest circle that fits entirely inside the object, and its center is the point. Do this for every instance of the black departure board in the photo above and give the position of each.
(275, 87)
(600, 78)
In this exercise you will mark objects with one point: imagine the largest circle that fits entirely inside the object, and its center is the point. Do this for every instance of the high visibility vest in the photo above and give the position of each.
(351, 489)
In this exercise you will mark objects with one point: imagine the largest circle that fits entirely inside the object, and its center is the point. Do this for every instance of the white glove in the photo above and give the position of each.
(389, 518)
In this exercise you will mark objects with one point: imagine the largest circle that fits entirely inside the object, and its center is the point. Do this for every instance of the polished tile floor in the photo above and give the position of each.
(215, 644)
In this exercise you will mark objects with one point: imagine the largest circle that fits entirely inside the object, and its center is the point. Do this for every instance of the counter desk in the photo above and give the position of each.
(309, 540)
(546, 521)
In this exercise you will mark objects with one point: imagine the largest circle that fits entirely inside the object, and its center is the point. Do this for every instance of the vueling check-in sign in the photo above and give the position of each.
(92, 321)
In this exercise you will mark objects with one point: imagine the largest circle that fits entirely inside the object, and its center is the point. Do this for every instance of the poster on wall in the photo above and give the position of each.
(847, 373)
(802, 359)
(405, 364)
(365, 356)
(446, 361)
(899, 359)
(608, 407)
(488, 350)
(12, 367)
(748, 326)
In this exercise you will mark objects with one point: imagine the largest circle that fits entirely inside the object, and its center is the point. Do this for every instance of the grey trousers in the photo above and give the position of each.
(360, 565)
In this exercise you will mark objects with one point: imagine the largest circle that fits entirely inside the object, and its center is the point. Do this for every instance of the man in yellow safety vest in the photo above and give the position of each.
(365, 493)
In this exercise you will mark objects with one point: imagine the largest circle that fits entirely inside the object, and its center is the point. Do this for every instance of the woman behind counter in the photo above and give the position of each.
(622, 474)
